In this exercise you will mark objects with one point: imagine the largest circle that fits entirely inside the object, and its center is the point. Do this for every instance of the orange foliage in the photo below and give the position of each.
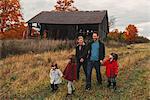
(14, 33)
(129, 35)
(19, 33)
(131, 32)
(10, 14)
(115, 34)
(65, 5)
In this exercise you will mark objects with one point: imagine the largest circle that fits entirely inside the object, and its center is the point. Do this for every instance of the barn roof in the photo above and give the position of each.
(77, 17)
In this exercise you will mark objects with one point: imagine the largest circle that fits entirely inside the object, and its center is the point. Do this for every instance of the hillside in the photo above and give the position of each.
(27, 76)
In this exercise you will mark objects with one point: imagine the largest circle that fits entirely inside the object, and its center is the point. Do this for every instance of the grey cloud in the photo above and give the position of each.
(33, 7)
(126, 11)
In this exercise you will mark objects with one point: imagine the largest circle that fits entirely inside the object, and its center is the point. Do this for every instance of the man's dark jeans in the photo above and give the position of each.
(90, 65)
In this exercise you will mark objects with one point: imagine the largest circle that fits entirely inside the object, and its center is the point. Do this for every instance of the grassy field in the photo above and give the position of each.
(27, 76)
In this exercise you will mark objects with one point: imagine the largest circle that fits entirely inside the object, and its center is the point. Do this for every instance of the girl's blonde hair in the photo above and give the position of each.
(80, 37)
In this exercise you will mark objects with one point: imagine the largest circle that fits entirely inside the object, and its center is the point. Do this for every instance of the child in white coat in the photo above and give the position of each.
(55, 77)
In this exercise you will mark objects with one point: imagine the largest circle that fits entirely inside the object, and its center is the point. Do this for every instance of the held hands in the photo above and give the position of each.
(101, 61)
(74, 81)
(81, 60)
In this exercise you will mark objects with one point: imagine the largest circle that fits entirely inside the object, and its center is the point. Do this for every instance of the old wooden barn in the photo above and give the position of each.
(68, 25)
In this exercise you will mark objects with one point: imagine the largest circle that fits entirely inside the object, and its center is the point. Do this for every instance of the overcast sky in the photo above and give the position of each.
(125, 11)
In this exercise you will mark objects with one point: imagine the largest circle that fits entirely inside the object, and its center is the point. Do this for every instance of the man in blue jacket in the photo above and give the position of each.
(96, 53)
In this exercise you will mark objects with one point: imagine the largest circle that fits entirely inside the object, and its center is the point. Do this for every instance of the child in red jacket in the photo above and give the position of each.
(111, 69)
(70, 74)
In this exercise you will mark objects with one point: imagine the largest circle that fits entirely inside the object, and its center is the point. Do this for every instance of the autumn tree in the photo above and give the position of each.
(128, 36)
(131, 33)
(65, 5)
(10, 14)
(116, 35)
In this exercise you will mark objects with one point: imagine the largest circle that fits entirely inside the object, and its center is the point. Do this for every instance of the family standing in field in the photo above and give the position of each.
(88, 56)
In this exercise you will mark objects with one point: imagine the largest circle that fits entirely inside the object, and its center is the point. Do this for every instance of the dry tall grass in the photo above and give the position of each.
(27, 76)
(13, 47)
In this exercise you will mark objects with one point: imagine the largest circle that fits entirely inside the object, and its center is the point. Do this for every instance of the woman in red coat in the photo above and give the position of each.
(111, 69)
(70, 74)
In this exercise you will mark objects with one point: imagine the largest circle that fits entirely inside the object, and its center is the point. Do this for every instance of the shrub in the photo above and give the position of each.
(141, 39)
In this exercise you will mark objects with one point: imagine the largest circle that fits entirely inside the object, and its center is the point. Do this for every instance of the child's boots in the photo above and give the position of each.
(109, 84)
(114, 86)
